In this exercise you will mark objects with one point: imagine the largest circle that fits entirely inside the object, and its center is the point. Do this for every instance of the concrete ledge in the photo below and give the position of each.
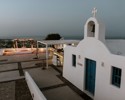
(35, 91)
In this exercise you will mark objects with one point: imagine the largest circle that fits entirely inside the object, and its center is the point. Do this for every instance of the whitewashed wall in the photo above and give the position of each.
(94, 49)
(34, 90)
(73, 74)
(1, 51)
(104, 89)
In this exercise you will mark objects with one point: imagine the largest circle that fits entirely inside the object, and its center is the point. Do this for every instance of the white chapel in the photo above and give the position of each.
(96, 66)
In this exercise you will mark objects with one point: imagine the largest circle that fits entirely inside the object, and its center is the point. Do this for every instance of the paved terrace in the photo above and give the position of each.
(50, 81)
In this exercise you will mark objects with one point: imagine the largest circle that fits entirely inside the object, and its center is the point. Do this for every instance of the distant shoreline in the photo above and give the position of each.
(40, 37)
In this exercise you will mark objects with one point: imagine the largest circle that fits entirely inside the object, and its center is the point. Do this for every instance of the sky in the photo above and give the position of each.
(66, 17)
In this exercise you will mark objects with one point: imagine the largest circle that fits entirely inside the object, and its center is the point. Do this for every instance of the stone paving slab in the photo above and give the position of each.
(4, 57)
(7, 91)
(29, 64)
(20, 57)
(5, 67)
(44, 78)
(61, 93)
(11, 75)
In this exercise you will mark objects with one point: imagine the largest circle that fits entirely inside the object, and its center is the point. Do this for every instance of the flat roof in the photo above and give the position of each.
(116, 46)
(50, 42)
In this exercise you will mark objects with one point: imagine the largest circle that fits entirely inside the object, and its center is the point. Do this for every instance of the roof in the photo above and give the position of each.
(116, 46)
(52, 42)
(23, 39)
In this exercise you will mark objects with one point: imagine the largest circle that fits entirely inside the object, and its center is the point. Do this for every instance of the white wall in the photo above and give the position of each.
(34, 90)
(104, 89)
(73, 74)
(94, 49)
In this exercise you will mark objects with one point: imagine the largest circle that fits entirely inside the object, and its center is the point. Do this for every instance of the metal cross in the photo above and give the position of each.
(94, 11)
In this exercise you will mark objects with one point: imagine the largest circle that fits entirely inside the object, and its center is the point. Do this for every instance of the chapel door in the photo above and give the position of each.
(90, 75)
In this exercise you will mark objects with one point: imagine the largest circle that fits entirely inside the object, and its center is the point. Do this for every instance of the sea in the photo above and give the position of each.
(40, 38)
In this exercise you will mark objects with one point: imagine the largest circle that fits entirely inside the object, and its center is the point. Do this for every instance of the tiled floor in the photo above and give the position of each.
(50, 81)
(44, 78)
(8, 67)
(10, 75)
(61, 93)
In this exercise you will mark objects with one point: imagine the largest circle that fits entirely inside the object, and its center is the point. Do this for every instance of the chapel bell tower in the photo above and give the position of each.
(94, 28)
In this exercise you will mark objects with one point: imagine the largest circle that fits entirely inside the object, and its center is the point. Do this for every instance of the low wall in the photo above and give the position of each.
(12, 51)
(34, 90)
(1, 51)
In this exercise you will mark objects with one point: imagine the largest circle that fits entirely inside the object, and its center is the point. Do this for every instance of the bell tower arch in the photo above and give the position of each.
(91, 29)
(94, 28)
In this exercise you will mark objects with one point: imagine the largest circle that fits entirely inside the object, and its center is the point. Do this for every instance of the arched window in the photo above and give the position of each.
(91, 29)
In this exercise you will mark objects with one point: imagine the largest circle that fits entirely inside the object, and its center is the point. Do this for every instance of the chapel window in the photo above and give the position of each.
(74, 60)
(116, 76)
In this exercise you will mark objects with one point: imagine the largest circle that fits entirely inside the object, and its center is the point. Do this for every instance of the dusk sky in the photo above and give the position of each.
(66, 17)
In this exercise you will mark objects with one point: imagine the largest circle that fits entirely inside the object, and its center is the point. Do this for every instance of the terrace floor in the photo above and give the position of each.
(50, 81)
